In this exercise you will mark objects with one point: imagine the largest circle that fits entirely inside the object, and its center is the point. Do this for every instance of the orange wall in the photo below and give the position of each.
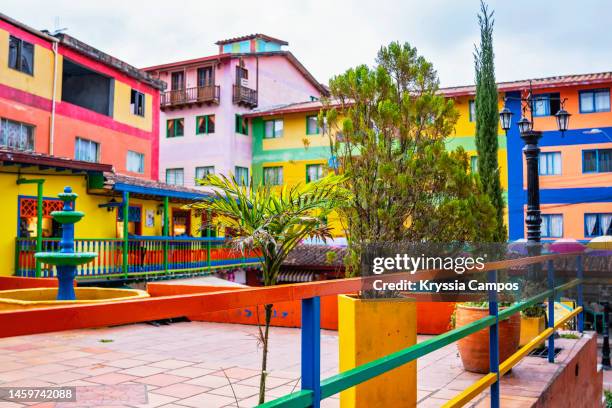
(573, 216)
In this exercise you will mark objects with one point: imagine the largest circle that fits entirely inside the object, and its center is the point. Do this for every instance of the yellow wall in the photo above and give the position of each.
(41, 83)
(122, 111)
(464, 127)
(294, 133)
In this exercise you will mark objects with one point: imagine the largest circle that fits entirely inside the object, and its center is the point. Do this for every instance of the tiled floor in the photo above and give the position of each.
(216, 365)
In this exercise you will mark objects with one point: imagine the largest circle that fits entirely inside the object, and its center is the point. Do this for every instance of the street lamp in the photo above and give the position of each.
(597, 131)
(532, 152)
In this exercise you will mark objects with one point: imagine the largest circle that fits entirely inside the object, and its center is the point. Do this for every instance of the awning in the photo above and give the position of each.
(295, 277)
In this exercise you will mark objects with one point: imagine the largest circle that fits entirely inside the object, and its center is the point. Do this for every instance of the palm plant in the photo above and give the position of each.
(272, 222)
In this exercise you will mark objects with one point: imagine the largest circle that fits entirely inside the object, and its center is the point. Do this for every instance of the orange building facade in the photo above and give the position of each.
(62, 97)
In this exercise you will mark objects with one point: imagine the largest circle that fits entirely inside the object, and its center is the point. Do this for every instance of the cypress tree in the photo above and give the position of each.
(487, 120)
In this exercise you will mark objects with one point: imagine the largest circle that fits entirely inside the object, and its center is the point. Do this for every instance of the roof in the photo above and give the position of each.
(296, 107)
(27, 28)
(18, 157)
(95, 54)
(252, 37)
(123, 183)
(536, 83)
(226, 56)
(309, 255)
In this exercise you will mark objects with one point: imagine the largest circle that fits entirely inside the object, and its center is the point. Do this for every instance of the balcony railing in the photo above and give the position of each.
(244, 96)
(145, 256)
(181, 97)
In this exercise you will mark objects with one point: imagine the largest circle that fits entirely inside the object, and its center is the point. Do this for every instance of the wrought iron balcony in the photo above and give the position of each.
(179, 98)
(244, 96)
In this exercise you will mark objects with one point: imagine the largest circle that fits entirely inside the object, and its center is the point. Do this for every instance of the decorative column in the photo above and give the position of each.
(533, 220)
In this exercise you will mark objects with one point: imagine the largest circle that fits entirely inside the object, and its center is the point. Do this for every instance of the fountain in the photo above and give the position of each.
(66, 262)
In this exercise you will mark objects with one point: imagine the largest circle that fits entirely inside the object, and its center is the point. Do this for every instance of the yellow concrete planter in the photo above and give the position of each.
(369, 329)
(46, 297)
(530, 328)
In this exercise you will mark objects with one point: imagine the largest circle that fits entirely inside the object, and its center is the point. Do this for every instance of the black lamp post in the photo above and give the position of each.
(532, 153)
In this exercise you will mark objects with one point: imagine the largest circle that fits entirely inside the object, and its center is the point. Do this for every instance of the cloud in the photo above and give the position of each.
(532, 39)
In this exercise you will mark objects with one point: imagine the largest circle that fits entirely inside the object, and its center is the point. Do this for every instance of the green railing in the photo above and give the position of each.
(145, 256)
(314, 389)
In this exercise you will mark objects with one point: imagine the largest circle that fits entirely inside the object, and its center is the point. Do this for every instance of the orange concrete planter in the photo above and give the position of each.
(434, 317)
(474, 349)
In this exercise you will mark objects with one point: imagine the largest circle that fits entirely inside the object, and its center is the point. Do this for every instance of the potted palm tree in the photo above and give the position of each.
(271, 222)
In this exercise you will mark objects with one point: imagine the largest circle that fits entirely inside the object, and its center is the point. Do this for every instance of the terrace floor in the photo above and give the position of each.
(191, 364)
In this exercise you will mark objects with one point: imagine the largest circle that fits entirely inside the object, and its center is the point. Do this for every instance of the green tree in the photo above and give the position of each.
(271, 222)
(386, 127)
(487, 120)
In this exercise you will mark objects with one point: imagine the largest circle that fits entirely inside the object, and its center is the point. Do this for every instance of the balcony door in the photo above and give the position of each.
(177, 80)
(206, 80)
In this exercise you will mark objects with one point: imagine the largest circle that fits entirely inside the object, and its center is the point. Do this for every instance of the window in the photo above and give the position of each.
(314, 172)
(273, 176)
(21, 55)
(472, 108)
(137, 103)
(312, 125)
(205, 124)
(134, 221)
(241, 73)
(474, 164)
(595, 100)
(86, 150)
(242, 175)
(175, 177)
(175, 127)
(16, 135)
(242, 125)
(273, 128)
(177, 81)
(552, 226)
(550, 163)
(546, 104)
(135, 162)
(202, 172)
(597, 224)
(597, 161)
(205, 76)
(28, 220)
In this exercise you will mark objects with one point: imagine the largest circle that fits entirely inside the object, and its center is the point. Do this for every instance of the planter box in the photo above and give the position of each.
(369, 329)
(530, 328)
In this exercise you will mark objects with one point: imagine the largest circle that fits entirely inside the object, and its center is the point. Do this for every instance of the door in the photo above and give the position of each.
(177, 83)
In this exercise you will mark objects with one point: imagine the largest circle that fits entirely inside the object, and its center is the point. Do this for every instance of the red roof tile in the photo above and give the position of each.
(251, 37)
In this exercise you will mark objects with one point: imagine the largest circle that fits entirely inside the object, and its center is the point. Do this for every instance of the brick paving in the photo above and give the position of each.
(192, 364)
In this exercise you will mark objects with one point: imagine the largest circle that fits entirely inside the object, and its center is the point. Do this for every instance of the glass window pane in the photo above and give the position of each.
(27, 57)
(544, 226)
(13, 52)
(541, 106)
(278, 128)
(180, 123)
(556, 163)
(269, 129)
(602, 101)
(211, 123)
(605, 160)
(589, 161)
(590, 224)
(312, 126)
(556, 226)
(586, 102)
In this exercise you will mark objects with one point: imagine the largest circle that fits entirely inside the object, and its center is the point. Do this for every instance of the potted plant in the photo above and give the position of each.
(474, 349)
(533, 322)
(368, 329)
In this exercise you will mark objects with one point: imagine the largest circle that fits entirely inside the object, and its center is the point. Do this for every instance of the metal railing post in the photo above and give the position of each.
(580, 275)
(311, 348)
(551, 310)
(494, 341)
(126, 211)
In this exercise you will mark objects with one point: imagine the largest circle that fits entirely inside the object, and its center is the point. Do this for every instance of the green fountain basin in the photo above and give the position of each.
(67, 217)
(60, 258)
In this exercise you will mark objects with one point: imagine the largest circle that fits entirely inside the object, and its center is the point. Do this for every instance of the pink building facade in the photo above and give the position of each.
(201, 127)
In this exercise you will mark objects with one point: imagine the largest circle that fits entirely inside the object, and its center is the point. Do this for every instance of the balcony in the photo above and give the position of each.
(181, 98)
(242, 95)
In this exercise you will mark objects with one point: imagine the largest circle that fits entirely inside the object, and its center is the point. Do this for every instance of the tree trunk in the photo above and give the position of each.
(264, 357)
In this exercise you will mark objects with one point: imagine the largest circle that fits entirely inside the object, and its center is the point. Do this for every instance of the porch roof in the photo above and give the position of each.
(151, 188)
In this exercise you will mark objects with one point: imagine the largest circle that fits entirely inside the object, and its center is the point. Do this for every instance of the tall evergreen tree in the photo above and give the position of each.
(487, 120)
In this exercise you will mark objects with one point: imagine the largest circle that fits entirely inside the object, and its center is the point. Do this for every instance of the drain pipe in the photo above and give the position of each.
(53, 99)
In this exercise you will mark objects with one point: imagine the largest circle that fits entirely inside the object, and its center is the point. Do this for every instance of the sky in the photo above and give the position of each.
(532, 39)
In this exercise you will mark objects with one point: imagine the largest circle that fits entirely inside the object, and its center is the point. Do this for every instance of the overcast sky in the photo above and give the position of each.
(532, 38)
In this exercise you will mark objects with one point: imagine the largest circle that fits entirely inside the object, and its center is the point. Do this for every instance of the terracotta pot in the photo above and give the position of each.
(474, 349)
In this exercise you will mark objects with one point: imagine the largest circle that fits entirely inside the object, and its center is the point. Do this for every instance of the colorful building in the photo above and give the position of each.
(160, 238)
(62, 97)
(575, 167)
(203, 125)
